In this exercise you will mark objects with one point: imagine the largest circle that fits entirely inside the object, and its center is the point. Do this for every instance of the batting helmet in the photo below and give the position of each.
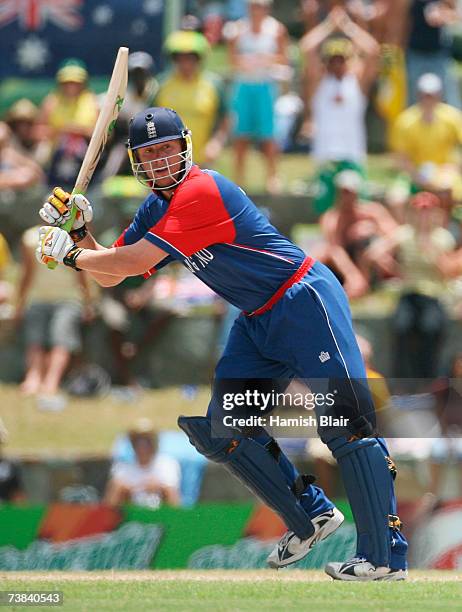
(153, 126)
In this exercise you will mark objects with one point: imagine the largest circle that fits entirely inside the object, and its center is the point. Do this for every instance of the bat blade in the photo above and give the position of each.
(106, 120)
(104, 125)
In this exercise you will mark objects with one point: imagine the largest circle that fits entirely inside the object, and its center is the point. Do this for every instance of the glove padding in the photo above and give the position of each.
(57, 209)
(54, 245)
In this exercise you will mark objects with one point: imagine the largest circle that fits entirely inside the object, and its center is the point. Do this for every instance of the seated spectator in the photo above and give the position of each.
(153, 479)
(337, 86)
(195, 94)
(51, 305)
(426, 136)
(133, 320)
(350, 229)
(22, 121)
(17, 170)
(10, 479)
(66, 120)
(258, 50)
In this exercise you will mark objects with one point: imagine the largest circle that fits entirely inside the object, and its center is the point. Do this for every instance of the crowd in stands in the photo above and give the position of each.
(319, 92)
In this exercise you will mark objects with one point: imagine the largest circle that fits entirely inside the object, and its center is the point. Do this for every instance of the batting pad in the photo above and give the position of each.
(254, 466)
(368, 484)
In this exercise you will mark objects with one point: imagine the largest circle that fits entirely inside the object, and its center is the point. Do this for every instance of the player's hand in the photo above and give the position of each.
(57, 209)
(54, 245)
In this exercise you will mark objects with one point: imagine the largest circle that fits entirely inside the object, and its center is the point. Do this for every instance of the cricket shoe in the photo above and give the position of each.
(361, 570)
(291, 548)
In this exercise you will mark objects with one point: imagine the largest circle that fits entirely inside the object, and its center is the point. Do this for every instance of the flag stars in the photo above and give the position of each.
(139, 27)
(32, 53)
(102, 15)
(152, 7)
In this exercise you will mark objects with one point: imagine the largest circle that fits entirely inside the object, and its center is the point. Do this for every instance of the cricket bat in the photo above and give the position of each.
(103, 127)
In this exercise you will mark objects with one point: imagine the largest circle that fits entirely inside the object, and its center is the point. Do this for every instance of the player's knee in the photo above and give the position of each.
(342, 446)
(199, 431)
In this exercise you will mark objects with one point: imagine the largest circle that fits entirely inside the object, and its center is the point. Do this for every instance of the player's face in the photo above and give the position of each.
(162, 162)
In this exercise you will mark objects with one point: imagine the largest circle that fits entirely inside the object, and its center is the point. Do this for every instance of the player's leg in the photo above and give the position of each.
(315, 332)
(368, 472)
(251, 454)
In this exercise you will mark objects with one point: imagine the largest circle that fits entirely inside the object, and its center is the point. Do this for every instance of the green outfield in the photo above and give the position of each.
(216, 591)
(88, 426)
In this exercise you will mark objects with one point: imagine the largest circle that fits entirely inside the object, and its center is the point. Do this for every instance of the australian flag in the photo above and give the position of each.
(36, 35)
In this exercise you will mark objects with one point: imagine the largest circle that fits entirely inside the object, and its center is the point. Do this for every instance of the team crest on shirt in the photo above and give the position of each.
(198, 261)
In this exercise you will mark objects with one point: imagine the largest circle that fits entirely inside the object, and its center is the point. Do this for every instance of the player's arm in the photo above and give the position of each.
(108, 266)
(120, 262)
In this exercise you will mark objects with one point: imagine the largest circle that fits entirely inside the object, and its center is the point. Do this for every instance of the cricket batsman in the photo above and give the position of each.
(295, 322)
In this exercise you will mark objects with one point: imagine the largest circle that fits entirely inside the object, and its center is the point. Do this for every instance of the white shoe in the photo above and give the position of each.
(361, 570)
(291, 548)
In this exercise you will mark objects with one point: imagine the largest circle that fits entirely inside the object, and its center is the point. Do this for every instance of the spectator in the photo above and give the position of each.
(66, 120)
(142, 84)
(141, 91)
(350, 229)
(10, 479)
(51, 306)
(258, 51)
(17, 171)
(419, 322)
(134, 322)
(153, 479)
(288, 111)
(426, 136)
(336, 91)
(22, 121)
(429, 46)
(195, 94)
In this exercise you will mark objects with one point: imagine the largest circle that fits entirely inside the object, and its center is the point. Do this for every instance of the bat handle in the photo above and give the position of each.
(51, 265)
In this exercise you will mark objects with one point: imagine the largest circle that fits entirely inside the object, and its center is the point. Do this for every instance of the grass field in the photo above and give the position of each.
(88, 426)
(216, 590)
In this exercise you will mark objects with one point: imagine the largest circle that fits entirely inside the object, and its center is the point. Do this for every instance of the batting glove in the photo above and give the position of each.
(55, 244)
(57, 209)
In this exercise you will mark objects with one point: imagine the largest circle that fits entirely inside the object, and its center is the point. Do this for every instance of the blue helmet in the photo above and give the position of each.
(153, 126)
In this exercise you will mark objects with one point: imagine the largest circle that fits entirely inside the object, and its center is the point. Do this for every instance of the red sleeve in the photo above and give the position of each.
(120, 240)
(196, 218)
